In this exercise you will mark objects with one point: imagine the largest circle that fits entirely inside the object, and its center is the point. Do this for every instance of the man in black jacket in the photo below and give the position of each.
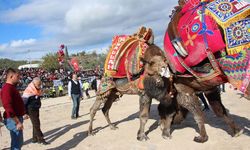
(75, 93)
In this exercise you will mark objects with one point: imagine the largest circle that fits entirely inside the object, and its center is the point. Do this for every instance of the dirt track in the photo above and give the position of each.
(64, 133)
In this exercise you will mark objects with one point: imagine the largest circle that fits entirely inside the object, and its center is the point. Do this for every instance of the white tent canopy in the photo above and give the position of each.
(28, 66)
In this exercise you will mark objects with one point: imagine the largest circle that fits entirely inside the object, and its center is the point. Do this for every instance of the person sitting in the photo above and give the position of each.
(31, 96)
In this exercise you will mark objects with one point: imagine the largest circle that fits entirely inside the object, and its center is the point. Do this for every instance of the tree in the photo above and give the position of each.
(50, 62)
(91, 60)
(6, 63)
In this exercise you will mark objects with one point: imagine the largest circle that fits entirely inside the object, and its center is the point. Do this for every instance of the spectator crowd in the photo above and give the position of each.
(48, 78)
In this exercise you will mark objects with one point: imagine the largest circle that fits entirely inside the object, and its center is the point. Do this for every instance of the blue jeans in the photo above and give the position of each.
(16, 135)
(76, 104)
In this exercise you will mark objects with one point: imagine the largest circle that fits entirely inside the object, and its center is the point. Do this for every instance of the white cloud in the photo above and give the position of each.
(21, 43)
(89, 24)
(3, 46)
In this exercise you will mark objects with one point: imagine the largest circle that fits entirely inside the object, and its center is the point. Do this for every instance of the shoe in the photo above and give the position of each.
(43, 142)
(34, 141)
(73, 118)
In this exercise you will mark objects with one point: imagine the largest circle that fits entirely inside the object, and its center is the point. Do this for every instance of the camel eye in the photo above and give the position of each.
(151, 63)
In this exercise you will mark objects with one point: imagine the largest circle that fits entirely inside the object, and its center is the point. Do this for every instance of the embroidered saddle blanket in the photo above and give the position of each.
(198, 27)
(123, 59)
(233, 17)
(192, 31)
(237, 69)
(198, 30)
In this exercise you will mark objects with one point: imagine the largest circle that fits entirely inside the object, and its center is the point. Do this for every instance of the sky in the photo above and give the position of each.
(29, 29)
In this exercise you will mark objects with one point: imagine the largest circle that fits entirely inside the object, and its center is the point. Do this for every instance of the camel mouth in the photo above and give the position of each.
(165, 72)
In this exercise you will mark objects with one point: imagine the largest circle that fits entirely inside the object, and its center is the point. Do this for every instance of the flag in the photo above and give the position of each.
(74, 63)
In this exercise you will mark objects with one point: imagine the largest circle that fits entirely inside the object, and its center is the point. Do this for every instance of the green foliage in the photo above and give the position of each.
(6, 63)
(90, 60)
(50, 62)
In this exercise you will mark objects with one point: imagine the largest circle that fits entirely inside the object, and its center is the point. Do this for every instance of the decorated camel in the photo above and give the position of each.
(123, 72)
(206, 44)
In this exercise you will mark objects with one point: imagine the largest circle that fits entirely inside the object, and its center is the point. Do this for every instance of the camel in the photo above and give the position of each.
(114, 87)
(191, 73)
(182, 101)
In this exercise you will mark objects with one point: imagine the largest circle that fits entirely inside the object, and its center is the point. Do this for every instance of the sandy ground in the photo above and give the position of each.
(64, 133)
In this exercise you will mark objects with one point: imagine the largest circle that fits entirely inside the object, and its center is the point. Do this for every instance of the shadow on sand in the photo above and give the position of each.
(52, 135)
(216, 122)
(153, 115)
(76, 139)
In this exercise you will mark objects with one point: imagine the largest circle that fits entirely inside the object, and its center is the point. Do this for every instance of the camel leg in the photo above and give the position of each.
(191, 103)
(166, 113)
(106, 109)
(92, 112)
(180, 115)
(145, 103)
(214, 100)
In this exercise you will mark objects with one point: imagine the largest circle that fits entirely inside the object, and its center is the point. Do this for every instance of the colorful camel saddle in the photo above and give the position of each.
(233, 18)
(202, 28)
(123, 59)
(198, 33)
(107, 83)
(237, 69)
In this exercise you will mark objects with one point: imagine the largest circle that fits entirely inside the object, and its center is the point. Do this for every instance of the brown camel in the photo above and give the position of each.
(184, 99)
(116, 87)
(188, 83)
(120, 87)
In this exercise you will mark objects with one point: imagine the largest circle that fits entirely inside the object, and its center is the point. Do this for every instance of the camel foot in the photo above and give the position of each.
(113, 127)
(91, 133)
(200, 139)
(142, 137)
(238, 133)
(166, 137)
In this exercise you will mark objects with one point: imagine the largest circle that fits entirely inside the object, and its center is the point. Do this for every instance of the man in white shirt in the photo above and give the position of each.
(75, 93)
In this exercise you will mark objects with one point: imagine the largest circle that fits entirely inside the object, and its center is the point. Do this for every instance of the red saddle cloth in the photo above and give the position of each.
(192, 32)
(124, 56)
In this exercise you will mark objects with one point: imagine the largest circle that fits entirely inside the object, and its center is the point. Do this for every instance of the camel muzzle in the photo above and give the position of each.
(165, 72)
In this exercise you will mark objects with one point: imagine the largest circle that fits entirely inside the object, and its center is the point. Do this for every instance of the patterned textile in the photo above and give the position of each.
(238, 36)
(124, 56)
(172, 56)
(117, 42)
(225, 12)
(237, 69)
(105, 85)
(192, 32)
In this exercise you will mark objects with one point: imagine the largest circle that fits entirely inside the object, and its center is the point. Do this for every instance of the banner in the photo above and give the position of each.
(74, 63)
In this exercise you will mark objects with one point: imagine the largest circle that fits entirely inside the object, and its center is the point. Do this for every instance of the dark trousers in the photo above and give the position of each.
(203, 99)
(34, 117)
(87, 93)
(76, 105)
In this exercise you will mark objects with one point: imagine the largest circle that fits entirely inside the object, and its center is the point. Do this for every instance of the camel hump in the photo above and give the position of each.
(123, 59)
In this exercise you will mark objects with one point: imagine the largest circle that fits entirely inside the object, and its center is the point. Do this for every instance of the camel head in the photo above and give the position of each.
(157, 80)
(155, 62)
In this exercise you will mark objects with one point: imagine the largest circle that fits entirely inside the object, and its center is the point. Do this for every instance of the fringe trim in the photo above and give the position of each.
(224, 25)
(236, 50)
(236, 18)
(106, 71)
